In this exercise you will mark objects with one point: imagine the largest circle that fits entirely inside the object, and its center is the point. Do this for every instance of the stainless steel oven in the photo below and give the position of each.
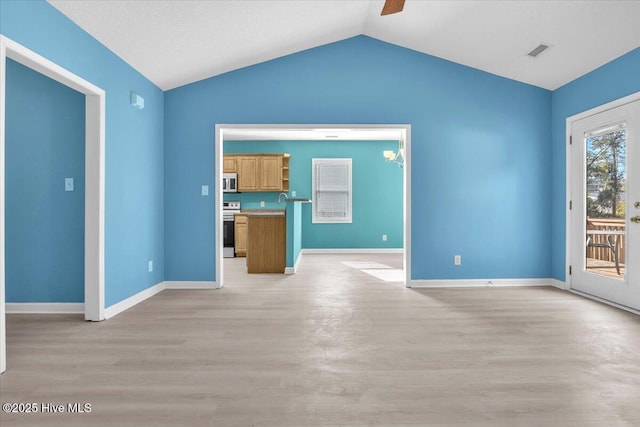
(229, 210)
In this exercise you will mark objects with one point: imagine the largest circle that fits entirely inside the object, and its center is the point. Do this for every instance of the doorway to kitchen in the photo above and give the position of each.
(313, 132)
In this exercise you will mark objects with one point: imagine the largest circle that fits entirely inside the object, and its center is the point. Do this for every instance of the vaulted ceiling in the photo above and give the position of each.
(174, 43)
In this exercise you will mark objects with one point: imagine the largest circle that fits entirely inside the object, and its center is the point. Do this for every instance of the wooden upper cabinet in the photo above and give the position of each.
(229, 164)
(270, 173)
(260, 172)
(247, 169)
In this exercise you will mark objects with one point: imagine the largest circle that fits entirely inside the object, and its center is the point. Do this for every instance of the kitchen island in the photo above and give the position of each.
(266, 241)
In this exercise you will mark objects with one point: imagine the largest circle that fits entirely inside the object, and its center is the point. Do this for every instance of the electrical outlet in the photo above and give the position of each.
(384, 237)
(262, 203)
(205, 190)
(293, 194)
(457, 260)
(150, 266)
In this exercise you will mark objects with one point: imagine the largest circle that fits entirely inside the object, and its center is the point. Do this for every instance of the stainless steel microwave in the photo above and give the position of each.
(230, 183)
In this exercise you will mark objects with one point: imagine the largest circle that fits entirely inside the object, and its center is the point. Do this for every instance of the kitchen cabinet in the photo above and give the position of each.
(270, 173)
(229, 164)
(240, 235)
(247, 170)
(266, 244)
(285, 172)
(261, 172)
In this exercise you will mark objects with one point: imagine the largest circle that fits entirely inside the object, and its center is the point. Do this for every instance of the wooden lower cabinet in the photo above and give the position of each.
(240, 235)
(266, 241)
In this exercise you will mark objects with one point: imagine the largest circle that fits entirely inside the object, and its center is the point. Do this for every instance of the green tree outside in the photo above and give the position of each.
(606, 175)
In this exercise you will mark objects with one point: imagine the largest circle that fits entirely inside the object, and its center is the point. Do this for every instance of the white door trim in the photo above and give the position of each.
(218, 152)
(94, 178)
(568, 126)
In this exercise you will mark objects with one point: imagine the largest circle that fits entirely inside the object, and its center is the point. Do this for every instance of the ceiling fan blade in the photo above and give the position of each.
(392, 6)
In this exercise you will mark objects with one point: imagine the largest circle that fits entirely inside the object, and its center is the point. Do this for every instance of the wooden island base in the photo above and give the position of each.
(266, 244)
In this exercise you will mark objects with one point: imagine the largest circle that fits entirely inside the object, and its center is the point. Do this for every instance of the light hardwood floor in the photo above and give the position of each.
(332, 345)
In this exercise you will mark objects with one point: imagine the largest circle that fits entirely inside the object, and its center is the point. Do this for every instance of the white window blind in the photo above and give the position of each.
(331, 190)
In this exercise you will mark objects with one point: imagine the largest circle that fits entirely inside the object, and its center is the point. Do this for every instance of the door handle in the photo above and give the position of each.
(636, 219)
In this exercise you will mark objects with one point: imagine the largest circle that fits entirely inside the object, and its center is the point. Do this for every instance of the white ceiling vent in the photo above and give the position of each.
(538, 50)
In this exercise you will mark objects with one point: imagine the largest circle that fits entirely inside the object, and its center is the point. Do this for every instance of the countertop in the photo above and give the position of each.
(263, 212)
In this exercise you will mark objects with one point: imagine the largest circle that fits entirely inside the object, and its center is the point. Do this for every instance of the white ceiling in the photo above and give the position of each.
(175, 42)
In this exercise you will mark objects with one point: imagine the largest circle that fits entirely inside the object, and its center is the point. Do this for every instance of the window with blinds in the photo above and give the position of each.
(331, 183)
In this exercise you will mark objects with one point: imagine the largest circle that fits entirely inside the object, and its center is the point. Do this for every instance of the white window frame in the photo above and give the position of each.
(348, 218)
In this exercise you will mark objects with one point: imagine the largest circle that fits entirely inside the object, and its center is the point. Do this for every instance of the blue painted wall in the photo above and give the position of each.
(134, 216)
(482, 146)
(45, 225)
(480, 152)
(614, 80)
(376, 184)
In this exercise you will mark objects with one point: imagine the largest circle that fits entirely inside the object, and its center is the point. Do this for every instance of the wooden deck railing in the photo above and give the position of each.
(601, 253)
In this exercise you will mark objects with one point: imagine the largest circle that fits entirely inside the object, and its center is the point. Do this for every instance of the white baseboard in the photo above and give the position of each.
(45, 307)
(478, 283)
(353, 251)
(190, 285)
(294, 269)
(121, 306)
(560, 284)
(149, 292)
(78, 308)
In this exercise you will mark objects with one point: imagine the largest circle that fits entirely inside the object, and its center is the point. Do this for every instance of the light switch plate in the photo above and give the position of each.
(205, 190)
(68, 184)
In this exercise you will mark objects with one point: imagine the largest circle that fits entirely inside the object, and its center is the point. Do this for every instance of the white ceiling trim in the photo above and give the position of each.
(313, 133)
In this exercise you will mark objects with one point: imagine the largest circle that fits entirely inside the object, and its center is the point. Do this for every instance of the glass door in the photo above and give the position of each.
(605, 211)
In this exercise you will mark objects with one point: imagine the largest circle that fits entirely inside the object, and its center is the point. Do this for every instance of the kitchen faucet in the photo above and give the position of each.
(282, 194)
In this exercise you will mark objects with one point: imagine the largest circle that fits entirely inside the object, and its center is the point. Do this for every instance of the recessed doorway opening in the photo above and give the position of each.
(94, 178)
(309, 133)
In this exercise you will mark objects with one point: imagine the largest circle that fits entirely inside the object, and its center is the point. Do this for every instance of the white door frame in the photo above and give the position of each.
(94, 179)
(219, 139)
(568, 177)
